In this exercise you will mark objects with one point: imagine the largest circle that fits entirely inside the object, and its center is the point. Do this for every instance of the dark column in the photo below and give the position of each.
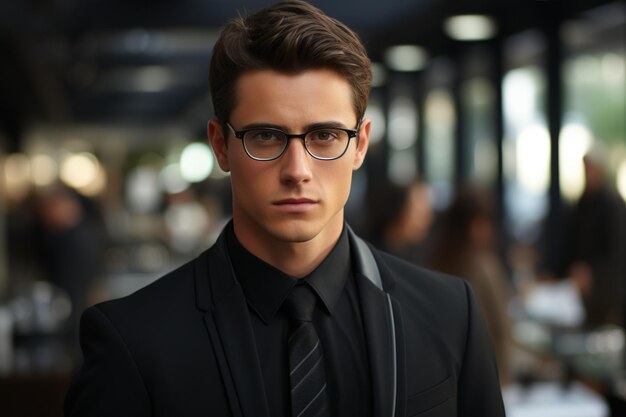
(551, 26)
(420, 149)
(498, 121)
(461, 169)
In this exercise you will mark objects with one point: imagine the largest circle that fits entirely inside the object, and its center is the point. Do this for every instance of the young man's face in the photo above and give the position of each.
(294, 198)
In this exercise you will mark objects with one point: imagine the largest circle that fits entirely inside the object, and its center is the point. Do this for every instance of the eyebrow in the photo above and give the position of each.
(309, 127)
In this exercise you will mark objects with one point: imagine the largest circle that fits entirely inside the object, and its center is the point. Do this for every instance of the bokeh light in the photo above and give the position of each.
(44, 170)
(196, 162)
(17, 174)
(533, 159)
(171, 179)
(402, 123)
(143, 193)
(574, 142)
(79, 170)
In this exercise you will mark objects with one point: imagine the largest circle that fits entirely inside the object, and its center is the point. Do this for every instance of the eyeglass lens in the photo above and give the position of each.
(327, 143)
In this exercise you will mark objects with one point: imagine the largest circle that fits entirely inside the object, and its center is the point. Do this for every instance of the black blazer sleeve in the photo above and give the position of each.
(109, 383)
(478, 386)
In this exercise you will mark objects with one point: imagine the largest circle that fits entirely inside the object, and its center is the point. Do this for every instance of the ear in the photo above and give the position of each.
(215, 134)
(362, 143)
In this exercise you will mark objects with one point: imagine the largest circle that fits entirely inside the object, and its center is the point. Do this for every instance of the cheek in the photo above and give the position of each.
(244, 171)
(245, 181)
(339, 180)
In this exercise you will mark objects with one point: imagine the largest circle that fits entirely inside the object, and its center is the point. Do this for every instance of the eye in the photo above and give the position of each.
(325, 135)
(264, 136)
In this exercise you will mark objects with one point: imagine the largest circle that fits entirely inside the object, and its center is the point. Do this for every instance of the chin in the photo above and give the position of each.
(296, 231)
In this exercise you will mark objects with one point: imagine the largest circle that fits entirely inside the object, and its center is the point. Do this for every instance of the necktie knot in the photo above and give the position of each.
(300, 303)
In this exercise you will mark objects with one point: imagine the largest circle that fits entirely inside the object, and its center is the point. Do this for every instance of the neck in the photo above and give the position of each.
(294, 257)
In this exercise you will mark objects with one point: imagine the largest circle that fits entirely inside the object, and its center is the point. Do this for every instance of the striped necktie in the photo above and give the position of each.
(309, 394)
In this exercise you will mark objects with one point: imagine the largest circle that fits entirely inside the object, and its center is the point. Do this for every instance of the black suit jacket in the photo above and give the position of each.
(184, 346)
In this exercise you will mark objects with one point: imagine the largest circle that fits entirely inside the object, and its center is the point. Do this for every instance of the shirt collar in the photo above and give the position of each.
(266, 287)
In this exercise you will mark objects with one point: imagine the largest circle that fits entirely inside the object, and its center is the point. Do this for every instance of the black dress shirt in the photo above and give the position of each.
(337, 319)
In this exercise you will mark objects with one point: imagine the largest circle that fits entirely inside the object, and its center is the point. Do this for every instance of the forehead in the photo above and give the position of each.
(273, 96)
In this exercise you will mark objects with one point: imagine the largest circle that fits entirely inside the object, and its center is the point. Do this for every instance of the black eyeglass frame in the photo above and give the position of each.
(239, 134)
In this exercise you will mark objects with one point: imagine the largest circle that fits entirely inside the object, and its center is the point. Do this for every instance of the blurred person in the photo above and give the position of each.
(594, 245)
(289, 313)
(400, 218)
(464, 245)
(70, 245)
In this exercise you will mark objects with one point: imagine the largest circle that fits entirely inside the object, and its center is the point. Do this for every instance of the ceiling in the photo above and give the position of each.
(145, 61)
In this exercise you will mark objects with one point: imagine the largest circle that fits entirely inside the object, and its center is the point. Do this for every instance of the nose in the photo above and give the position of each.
(295, 163)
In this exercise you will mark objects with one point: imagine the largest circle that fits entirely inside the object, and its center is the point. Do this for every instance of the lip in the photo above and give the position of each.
(294, 205)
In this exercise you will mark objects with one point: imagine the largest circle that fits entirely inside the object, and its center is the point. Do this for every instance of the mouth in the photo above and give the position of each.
(294, 205)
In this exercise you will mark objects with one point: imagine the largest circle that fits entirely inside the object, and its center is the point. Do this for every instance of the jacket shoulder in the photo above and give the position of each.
(400, 275)
(159, 299)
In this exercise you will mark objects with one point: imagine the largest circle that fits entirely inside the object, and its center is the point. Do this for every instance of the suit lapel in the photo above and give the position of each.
(379, 333)
(400, 359)
(229, 327)
(383, 332)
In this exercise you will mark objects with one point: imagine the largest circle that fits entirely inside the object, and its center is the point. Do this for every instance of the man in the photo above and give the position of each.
(594, 243)
(289, 313)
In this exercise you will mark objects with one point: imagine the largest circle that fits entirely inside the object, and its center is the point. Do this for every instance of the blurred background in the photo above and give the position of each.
(498, 154)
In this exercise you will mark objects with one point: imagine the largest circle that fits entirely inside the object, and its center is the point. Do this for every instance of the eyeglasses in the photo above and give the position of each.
(268, 143)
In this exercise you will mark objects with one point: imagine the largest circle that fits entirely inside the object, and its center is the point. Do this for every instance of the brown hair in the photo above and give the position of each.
(453, 246)
(290, 36)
